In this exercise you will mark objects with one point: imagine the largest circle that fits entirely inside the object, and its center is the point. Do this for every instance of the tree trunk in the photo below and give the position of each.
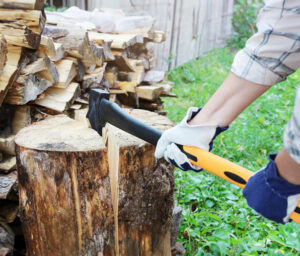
(66, 200)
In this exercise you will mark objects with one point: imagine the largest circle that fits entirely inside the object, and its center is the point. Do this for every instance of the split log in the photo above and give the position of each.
(94, 79)
(10, 70)
(32, 19)
(8, 164)
(22, 118)
(60, 52)
(65, 189)
(150, 93)
(119, 41)
(47, 45)
(3, 53)
(154, 76)
(108, 56)
(26, 88)
(123, 62)
(50, 73)
(7, 145)
(19, 35)
(66, 73)
(6, 184)
(59, 99)
(23, 4)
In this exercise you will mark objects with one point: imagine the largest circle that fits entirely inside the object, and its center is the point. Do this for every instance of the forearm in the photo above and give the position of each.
(231, 98)
(287, 167)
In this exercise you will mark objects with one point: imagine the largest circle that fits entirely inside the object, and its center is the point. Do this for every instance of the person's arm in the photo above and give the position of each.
(231, 98)
(287, 167)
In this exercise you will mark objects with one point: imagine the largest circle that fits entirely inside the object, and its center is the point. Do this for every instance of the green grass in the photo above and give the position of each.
(216, 218)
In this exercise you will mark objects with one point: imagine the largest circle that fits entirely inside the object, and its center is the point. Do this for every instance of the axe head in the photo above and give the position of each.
(95, 114)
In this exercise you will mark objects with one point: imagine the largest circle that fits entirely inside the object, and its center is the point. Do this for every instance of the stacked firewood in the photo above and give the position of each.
(21, 25)
(48, 68)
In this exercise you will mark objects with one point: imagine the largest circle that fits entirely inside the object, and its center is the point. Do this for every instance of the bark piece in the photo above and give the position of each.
(70, 161)
(59, 99)
(6, 184)
(176, 220)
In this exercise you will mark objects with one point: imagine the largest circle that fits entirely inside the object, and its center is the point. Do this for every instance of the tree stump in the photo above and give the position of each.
(66, 202)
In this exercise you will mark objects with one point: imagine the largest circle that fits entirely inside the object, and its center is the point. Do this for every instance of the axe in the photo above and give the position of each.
(102, 111)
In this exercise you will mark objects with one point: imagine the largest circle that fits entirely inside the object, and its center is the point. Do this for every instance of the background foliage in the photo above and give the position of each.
(243, 21)
(216, 218)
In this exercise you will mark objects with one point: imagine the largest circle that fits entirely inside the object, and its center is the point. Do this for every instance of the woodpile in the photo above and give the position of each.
(47, 68)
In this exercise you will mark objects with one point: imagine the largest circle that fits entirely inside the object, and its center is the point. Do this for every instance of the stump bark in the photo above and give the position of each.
(66, 198)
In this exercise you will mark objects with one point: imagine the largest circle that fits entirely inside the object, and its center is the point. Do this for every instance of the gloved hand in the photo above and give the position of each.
(200, 136)
(270, 195)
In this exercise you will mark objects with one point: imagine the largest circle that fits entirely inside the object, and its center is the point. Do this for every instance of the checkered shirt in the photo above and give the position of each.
(272, 54)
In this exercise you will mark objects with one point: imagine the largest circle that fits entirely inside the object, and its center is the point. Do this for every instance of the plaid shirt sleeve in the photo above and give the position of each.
(273, 52)
(291, 137)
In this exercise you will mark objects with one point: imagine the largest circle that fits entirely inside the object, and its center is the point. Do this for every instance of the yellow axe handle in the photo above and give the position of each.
(225, 169)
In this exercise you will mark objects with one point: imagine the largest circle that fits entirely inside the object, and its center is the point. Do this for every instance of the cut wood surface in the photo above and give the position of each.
(59, 99)
(119, 41)
(23, 4)
(154, 76)
(22, 118)
(66, 73)
(9, 71)
(7, 145)
(47, 44)
(60, 52)
(94, 79)
(69, 191)
(33, 19)
(149, 92)
(8, 164)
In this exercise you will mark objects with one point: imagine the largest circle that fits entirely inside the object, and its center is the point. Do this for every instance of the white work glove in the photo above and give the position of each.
(200, 136)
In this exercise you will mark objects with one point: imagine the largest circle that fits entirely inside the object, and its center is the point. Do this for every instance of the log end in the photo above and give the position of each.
(59, 133)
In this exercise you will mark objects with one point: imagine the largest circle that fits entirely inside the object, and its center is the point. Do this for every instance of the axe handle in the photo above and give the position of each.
(113, 114)
(225, 169)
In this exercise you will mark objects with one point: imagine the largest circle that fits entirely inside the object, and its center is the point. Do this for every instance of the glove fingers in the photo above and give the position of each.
(174, 154)
(161, 147)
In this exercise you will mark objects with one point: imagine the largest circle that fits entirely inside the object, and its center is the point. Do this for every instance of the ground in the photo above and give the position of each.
(217, 220)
